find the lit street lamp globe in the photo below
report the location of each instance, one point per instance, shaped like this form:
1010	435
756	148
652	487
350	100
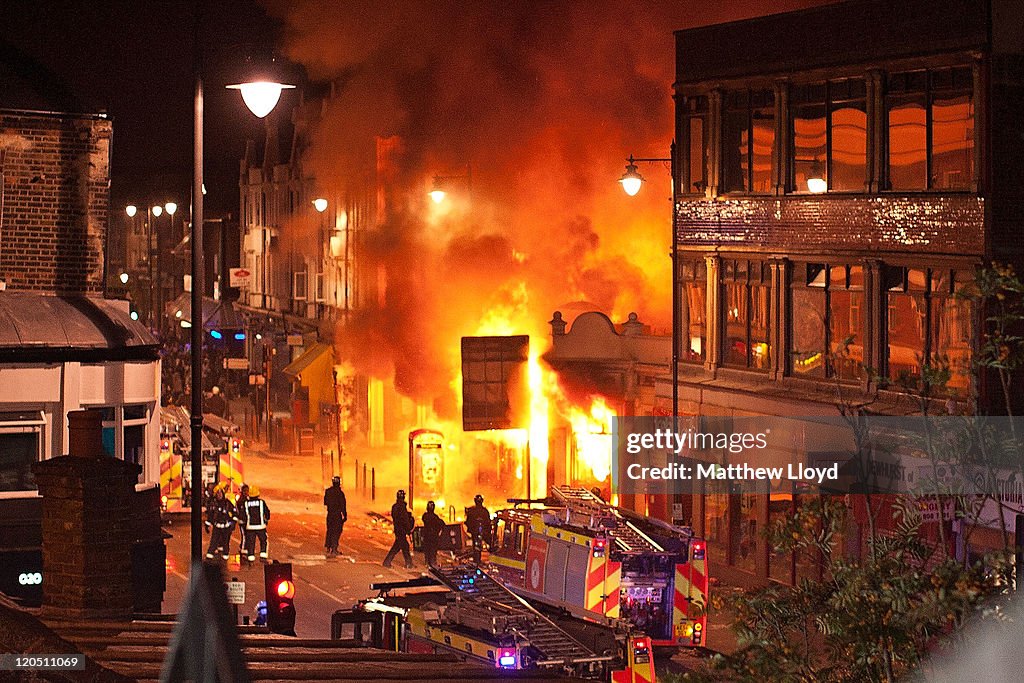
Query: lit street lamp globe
170	208
260	96
320	204
437	195
131	210
158	210
631	180
123	277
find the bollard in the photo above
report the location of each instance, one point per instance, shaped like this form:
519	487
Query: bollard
364	478
373	483
356	479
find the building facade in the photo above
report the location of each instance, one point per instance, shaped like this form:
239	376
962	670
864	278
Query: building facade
842	172
64	347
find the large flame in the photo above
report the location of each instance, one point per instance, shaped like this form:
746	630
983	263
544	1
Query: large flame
592	432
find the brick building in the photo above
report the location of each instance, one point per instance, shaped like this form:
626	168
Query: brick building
62	345
842	171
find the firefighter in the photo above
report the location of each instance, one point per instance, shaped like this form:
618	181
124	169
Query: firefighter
243	495
257	514
478	524
337	515
221	517
403	523
432	528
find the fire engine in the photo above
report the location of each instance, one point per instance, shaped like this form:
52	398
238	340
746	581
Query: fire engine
602	563
222	456
468	613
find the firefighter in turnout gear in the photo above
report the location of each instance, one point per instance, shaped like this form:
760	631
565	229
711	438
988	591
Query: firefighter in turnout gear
337	515
220	517
478	524
432	528
403	523
243	496
256	516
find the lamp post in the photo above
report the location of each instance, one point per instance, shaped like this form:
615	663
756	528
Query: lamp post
261	97
631	182
437	190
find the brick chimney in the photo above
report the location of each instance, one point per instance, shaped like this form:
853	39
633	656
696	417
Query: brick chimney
87	526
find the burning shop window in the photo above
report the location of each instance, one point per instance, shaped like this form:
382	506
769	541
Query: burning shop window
746	295
693	300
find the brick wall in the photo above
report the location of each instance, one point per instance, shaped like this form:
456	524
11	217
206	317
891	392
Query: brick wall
951	224
56	192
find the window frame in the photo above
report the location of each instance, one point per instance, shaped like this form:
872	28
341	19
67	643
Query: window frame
695	107
831	372
747	282
929	91
754	99
828	103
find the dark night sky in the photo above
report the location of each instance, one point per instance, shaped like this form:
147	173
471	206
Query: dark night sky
133	59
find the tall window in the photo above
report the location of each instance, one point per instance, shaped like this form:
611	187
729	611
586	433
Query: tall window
693	281
695	176
929	320
748	141
827	321
746	295
931	129
828	127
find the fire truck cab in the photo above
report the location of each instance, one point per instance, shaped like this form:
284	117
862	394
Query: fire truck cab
603	563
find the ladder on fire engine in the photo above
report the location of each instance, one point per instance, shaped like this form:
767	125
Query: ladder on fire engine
585	509
554	645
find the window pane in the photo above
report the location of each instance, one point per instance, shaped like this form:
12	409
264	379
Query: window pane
908	139
698	152
809	144
695	335
907	315
952	141
847	325
808	332
763	127
135	445
735	297
951	323
17	453
849	146
760	355
735	138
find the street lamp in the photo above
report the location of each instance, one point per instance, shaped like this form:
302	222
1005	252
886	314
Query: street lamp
158	210
320	204
170	208
261	96
131	210
631	182
437	190
123	277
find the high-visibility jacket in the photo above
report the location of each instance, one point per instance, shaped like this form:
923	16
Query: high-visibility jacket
257	514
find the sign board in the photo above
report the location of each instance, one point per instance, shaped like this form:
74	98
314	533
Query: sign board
257	379
240	277
495	391
236	592
236	363
294	340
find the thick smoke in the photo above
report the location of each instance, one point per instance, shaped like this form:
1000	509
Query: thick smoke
543	102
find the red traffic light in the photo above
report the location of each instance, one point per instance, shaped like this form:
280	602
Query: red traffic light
286	589
280	591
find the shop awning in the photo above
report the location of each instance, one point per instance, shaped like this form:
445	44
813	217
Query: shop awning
310	356
217	315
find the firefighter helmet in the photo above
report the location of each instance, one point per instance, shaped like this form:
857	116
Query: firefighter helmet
478	499
401	494
254	491
430	506
336	480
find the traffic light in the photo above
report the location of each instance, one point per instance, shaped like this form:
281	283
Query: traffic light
280	588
